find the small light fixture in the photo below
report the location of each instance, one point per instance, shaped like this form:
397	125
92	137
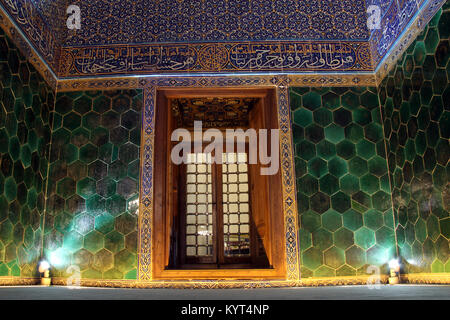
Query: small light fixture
44	270
394	270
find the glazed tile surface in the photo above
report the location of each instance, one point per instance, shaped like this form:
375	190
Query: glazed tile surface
343	192
93	195
25	132
415	103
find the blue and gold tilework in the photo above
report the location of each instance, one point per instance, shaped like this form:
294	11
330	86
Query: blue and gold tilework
228	36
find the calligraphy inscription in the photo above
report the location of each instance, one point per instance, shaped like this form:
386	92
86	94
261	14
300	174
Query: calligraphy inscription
391	26
228	57
295	56
33	26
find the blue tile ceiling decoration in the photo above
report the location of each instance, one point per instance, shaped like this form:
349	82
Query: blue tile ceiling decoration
143	21
210	36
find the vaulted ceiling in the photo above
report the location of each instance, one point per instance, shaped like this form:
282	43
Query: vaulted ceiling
209	36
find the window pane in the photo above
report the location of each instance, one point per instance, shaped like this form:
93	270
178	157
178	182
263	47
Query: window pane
236	206
199	207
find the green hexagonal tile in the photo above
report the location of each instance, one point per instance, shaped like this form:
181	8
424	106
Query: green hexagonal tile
126	223
113	274
63	222
83	223
350	100
355	257
370	183
125	261
104	223
80	137
306	150
323	117
445	227
88	153
343	238
365	238
317	167
102	104
369	100
331	220
379	256
83	105
365	149
93	241
420	230
310	221
311	100
103	260
358	166
419	53
320	202
73	241
114	241
6	231
63	105
331	100
72	121
106	187
10	189
381	200
91	120
326	150
373	219
385	237
303	117
69	153
334	257
115	205
66	187
312	258
329	184
86	188
349	184
83	259
322	239
334	133
308	185
346	149
337	167
340	202
431	40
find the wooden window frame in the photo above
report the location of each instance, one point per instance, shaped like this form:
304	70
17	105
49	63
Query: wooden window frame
166	194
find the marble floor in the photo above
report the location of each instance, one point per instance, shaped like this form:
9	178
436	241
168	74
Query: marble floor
403	292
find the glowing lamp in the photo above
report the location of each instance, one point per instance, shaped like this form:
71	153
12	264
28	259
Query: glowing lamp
394	270
44	269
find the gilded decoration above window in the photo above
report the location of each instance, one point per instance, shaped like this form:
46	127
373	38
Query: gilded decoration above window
213	112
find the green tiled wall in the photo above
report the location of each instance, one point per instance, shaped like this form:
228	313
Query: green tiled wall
26	101
343	191
92	208
360	173
416	114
